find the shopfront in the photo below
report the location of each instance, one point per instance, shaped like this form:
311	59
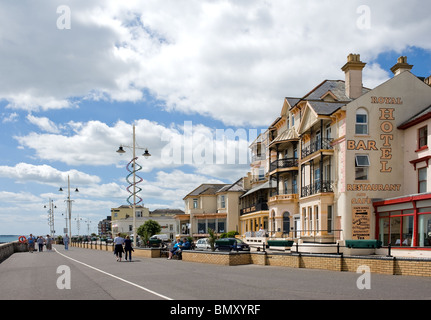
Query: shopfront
404	222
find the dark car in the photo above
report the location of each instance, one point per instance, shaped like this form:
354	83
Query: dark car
229	244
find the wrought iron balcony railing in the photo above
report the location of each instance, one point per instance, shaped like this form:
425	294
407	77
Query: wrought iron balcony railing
317	145
317	187
283	163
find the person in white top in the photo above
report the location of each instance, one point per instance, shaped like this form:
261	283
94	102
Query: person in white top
118	249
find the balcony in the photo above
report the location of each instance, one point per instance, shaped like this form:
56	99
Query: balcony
317	145
283	164
323	186
261	206
291	197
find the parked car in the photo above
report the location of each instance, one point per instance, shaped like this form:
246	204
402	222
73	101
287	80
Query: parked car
230	244
163	237
203	244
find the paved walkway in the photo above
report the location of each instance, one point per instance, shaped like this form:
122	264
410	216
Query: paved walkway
97	275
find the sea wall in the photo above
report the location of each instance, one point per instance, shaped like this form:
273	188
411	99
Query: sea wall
8	249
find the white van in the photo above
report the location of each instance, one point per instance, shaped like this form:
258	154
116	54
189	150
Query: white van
163	237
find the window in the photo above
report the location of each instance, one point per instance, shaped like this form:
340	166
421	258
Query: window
211	223
222	202
286	186
195	203
286	222
261	173
295	184
362	162
202	226
221	223
424	231
310	220
422	177
361	122
423	137
328	131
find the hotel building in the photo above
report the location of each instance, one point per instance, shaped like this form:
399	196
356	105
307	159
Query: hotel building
342	149
345	162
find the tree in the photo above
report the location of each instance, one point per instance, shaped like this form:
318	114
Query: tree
148	229
212	238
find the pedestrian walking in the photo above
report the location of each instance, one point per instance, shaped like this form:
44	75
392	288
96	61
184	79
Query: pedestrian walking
40	242
31	241
66	242
128	248
118	249
48	241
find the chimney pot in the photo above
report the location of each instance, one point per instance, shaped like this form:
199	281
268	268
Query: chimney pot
401	66
353	70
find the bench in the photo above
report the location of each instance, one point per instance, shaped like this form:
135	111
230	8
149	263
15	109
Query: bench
363	244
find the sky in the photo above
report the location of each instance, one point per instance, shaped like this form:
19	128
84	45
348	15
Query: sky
199	80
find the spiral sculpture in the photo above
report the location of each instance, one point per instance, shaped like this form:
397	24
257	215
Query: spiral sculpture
138	179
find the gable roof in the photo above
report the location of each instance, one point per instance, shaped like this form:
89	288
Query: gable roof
336	89
237	186
418	118
206	189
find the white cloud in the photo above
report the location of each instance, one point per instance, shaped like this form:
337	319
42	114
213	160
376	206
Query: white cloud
232	60
44	174
43	123
94	143
10	117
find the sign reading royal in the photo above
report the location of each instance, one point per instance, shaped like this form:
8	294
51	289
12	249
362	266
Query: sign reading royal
386	100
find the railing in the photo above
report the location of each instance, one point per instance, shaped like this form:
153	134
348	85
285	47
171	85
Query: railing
317	187
289	196
284	163
256	207
316	145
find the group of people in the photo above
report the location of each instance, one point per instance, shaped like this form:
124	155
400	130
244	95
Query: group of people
178	247
119	241
40	241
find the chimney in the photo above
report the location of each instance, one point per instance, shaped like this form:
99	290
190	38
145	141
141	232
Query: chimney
401	66
353	70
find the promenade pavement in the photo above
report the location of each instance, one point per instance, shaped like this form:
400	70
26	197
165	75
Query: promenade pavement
96	275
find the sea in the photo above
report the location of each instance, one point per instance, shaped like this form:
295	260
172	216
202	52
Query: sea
8	238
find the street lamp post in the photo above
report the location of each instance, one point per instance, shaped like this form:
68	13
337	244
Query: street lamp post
51	216
88	222
146	155
69	204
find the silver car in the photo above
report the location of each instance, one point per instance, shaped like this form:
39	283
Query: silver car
203	244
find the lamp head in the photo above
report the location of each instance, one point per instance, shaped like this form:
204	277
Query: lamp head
121	150
146	154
